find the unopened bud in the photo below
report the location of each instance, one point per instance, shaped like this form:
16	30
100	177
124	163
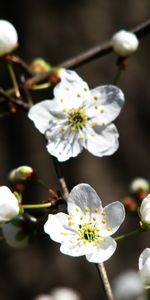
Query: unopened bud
139	185
8	37
20	174
145	213
144	267
124	43
39	65
17	233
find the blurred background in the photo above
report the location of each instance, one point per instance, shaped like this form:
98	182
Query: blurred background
57	30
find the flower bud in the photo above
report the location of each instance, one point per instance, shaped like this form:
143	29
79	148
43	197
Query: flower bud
20	174
8	37
130	204
144	267
145	213
9	206
19	232
39	65
128	286
139	185
124	43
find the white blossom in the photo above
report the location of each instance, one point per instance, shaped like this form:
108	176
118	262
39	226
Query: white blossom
10	232
88	228
9	206
79	118
144	267
124	43
145	212
139	184
60	293
8	37
128	286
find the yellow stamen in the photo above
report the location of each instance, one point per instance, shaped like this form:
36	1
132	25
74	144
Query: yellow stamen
72	128
96	210
81	218
72	223
65	109
67	88
96	106
87	209
95	98
65	234
94	218
103	213
93	124
102	110
109	229
104	240
104	221
69	218
78	95
77	209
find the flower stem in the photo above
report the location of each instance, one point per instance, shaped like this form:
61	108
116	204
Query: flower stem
118	74
13	77
125	235
105	281
35	206
60	177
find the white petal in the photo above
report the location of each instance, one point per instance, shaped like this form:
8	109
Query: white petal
145	273
143	257
115	214
10	232
145	215
58	228
9	206
75	248
40	114
81	197
145	203
64	145
103	141
71	93
70	76
103	251
108	105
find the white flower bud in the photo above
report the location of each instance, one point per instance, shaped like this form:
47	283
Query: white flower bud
10	232
9	206
139	185
20	174
60	293
128	286
124	43
8	37
145	212
144	267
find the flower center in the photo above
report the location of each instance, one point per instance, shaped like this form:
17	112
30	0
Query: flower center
77	119
88	232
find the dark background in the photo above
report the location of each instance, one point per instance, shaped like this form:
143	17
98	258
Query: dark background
57	30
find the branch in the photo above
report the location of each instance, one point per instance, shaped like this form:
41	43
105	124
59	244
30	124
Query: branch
91	54
96	52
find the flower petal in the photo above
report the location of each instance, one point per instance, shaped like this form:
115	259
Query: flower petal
103	251
9	206
82	201
114	216
102	140
108	103
64	145
58	227
145	203
71	92
75	248
143	257
40	114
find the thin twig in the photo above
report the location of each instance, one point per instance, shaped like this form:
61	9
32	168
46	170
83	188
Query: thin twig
20	103
96	52
104	278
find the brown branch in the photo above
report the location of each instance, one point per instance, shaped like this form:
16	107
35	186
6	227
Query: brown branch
96	52
91	54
